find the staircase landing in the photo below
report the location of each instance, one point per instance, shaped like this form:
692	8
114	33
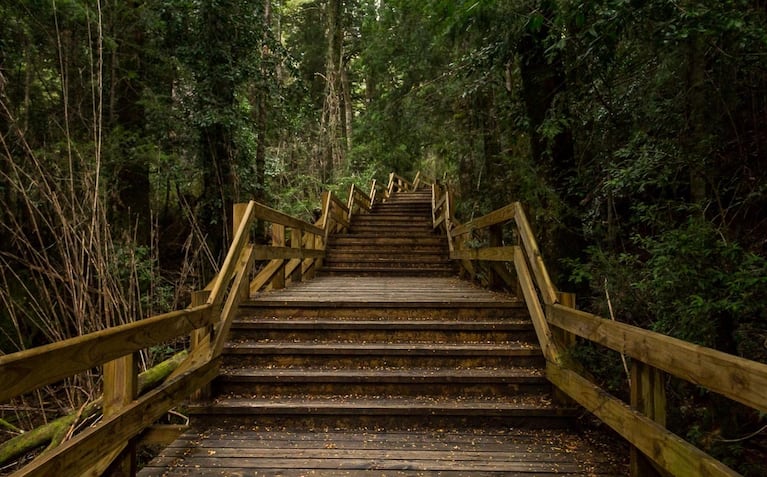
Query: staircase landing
289	452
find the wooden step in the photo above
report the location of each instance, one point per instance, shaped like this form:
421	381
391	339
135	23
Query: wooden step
401	253
387	272
359	355
297	310
368	333
383	381
346	410
438	263
342	240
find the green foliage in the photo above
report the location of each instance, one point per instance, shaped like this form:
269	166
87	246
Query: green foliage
703	289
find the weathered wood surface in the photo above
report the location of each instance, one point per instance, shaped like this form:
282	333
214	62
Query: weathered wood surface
27	370
495	254
546	286
88	448
288	452
739	379
384	289
667	450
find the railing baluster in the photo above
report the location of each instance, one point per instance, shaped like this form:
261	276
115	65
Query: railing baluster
296	241
278	240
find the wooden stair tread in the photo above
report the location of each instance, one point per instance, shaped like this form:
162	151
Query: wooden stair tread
382	324
523	406
385	349
515	375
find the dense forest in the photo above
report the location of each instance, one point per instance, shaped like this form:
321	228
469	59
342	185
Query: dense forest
633	130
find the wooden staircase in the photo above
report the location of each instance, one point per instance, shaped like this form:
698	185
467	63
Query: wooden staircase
382	365
376	341
394	239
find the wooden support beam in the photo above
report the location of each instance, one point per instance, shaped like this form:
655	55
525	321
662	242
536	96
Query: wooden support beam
265	275
546	286
278	240
492	254
648	396
551	350
296	242
200	338
266	252
161	434
504	214
238	243
120	390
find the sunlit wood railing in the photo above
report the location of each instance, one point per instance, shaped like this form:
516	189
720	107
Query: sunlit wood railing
295	253
655	450
397	183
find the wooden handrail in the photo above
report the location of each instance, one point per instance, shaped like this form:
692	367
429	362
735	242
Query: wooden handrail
736	378
30	369
358	200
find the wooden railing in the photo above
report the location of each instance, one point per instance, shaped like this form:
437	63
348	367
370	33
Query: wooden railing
296	251
397	183
655	450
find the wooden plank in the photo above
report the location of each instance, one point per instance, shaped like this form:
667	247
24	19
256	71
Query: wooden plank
275	217
232	303
540	272
550	348
496	254
78	454
340	216
340	205
278	241
737	378
499	216
666	449
120	389
27	370
648	396
230	262
265	275
297	244
267	252
162	434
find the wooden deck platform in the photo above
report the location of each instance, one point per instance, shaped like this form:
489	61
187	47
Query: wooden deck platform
246	451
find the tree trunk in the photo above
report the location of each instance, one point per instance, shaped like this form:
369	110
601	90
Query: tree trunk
332	120
133	185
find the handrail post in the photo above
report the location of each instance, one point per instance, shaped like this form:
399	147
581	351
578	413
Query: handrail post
648	396
120	389
199	338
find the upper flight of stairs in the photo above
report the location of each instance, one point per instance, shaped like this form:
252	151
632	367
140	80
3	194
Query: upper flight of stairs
382	365
384	337
395	238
